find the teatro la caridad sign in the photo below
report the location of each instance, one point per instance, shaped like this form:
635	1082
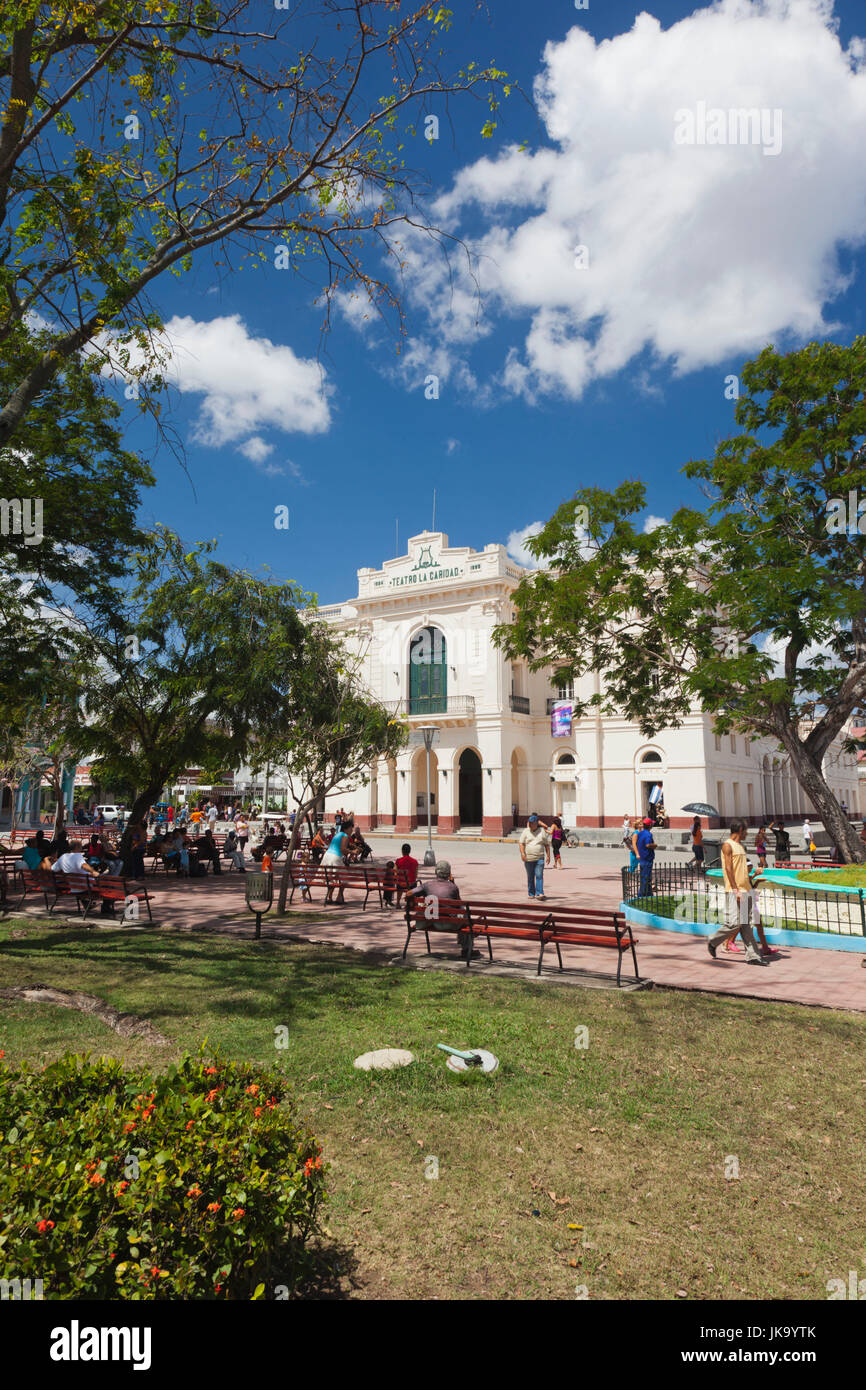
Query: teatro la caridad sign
425	571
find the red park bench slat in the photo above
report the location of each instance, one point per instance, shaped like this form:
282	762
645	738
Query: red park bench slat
547	925
86	889
372	878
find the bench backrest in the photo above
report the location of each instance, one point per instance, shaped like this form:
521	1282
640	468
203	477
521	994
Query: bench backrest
481	913
73	883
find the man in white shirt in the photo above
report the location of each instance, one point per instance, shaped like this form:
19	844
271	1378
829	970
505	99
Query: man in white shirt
212	815
534	845
807	834
73	862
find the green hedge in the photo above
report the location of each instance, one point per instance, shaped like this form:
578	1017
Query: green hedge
195	1183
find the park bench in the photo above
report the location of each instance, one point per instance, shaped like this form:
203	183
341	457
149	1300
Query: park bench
816	862
304	876
112	889
353	876
78	886
35	881
546	925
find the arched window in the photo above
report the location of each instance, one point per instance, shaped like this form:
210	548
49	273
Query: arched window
565	758
651	756
428	672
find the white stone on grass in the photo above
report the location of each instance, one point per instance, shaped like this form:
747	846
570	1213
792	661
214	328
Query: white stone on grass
385	1059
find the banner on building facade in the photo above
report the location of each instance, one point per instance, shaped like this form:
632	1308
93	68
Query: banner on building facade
560	719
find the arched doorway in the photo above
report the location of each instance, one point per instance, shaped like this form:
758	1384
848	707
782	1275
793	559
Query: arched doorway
565	788
428	672
651	776
470	799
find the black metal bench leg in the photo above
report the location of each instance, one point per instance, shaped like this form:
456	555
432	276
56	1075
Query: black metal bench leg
558	953
408	939
540	957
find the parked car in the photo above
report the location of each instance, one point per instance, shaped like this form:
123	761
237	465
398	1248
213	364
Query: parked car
111	813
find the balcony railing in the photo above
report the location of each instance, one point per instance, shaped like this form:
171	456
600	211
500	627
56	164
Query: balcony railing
519	704
431	705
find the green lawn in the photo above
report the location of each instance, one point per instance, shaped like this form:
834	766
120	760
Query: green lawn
852	877
627	1139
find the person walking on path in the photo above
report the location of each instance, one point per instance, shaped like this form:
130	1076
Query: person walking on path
645	847
761	846
632	845
807	835
534	845
739	897
697	845
557	835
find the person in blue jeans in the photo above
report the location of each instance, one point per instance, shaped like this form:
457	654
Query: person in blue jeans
534	846
646	853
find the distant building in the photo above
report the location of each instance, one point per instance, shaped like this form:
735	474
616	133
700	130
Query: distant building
424	625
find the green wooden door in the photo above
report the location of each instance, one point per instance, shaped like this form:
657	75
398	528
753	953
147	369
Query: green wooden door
428	673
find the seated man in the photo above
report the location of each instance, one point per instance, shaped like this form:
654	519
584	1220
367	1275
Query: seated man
444	888
209	850
74	862
407	872
233	851
359	850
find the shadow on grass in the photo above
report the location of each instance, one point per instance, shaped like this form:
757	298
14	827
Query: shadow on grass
328	1273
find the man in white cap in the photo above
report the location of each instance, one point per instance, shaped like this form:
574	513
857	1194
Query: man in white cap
534	845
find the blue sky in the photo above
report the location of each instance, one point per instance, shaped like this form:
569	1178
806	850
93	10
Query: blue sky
698	256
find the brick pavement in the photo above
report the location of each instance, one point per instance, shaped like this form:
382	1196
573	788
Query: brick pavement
834	979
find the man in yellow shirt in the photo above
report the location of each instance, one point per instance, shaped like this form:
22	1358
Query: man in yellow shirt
739	897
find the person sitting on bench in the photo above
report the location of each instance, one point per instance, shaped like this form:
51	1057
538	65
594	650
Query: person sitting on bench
444	888
209	849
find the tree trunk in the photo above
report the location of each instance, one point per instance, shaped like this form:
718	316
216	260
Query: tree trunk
140	807
836	823
303	813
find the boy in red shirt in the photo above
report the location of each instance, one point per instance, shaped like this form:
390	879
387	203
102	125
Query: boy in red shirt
407	872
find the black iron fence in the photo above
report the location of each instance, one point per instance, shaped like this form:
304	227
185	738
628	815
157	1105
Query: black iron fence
687	895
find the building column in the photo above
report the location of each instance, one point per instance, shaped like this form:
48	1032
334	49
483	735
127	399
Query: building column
406	814
363	798
447	804
495	799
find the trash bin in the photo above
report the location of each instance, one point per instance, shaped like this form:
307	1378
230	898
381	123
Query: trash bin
712	853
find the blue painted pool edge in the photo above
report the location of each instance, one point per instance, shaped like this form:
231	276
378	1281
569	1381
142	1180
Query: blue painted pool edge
816	940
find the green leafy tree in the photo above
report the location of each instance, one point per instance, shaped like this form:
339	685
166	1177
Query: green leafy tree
193	658
752	610
69	498
41	738
333	736
136	134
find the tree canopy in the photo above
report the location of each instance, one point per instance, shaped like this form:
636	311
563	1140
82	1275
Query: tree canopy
754	609
194	656
136	134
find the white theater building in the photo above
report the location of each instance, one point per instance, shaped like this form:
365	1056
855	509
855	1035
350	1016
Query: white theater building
423	626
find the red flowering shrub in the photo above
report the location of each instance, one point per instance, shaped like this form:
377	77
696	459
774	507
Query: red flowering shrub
124	1184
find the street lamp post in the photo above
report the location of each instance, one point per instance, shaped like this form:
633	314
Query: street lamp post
428	732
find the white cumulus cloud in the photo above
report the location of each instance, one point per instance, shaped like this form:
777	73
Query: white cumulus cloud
516	545
696	252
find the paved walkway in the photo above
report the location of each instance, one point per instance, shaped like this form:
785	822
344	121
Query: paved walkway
834	979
